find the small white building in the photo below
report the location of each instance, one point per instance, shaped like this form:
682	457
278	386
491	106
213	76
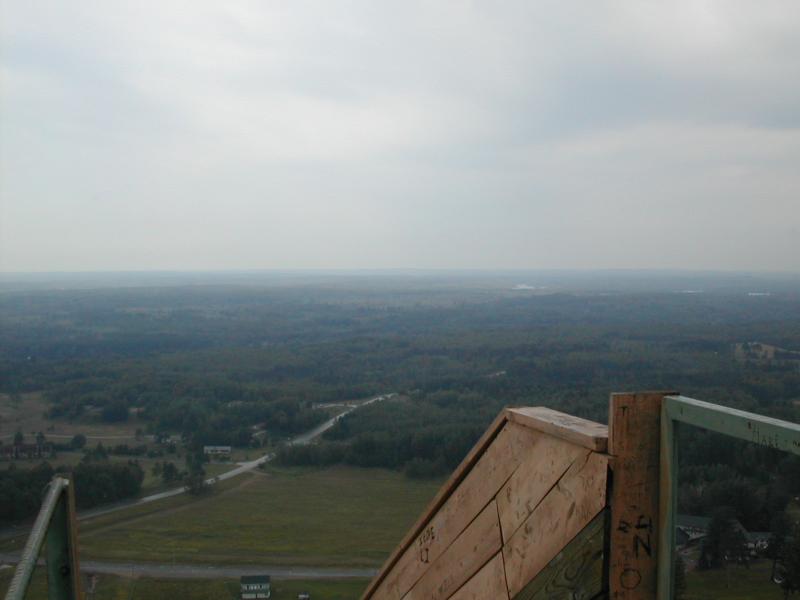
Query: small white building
217	450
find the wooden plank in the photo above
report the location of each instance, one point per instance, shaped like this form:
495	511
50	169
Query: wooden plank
572	503
478	488
463	469
487	584
441	497
634	421
547	462
465	556
588	434
576	573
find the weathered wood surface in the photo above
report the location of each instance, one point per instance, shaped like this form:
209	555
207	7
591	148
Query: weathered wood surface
487	584
465	556
572	503
588	434
378	588
478	488
634	429
533	465
576	573
549	459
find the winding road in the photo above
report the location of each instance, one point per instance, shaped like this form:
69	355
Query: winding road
183	571
303	438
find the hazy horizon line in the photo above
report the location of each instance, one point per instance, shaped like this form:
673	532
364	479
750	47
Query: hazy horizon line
396	270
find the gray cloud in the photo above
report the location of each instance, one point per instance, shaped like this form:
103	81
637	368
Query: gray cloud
243	134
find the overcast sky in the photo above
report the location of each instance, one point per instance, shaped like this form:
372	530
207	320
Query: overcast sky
256	134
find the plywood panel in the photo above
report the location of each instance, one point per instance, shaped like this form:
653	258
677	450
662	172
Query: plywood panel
547	462
572	503
487	584
590	435
462	559
458	476
576	573
480	485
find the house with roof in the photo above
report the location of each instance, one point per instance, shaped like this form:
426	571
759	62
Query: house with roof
689	529
758	541
223	451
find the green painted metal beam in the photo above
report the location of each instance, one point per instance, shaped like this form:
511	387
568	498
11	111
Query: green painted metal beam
668	499
57	552
54	529
760	430
764	431
27	562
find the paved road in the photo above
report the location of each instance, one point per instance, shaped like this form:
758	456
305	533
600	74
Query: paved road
303	438
179	571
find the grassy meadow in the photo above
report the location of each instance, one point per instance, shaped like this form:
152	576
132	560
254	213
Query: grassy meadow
26	413
133	514
741	583
342	516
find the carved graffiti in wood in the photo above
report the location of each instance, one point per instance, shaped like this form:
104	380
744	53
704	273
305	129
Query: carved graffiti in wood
634	445
576	573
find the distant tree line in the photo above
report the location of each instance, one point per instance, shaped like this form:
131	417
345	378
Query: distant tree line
425	435
210	364
97	481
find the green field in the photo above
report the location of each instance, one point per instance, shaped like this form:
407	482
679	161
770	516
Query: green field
26	413
740	583
110	587
341	516
133	514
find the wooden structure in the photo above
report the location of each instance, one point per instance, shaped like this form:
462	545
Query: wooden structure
545	506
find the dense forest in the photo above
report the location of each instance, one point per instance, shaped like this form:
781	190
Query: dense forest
96	482
212	360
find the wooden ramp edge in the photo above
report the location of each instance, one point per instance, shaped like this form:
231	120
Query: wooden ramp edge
525	506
